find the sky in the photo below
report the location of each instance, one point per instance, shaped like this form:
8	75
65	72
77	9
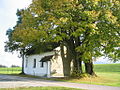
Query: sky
8	20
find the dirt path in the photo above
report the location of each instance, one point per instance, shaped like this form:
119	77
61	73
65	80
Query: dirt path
8	81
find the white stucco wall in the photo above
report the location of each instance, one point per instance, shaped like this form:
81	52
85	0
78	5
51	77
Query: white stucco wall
56	66
38	71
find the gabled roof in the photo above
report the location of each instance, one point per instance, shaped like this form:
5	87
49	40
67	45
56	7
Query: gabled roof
46	58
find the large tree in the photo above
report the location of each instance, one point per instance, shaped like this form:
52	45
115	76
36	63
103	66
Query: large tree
88	28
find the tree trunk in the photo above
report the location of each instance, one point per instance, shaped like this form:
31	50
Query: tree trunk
77	67
66	61
80	66
66	68
89	68
22	53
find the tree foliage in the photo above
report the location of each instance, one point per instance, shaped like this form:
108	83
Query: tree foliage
94	22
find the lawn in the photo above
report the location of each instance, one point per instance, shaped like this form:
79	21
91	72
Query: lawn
107	74
42	88
14	70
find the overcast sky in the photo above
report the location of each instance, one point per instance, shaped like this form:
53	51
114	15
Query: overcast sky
8	20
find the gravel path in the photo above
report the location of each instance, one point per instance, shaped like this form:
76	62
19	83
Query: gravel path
9	81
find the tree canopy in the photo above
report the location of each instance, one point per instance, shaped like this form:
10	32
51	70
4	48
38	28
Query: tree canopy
96	23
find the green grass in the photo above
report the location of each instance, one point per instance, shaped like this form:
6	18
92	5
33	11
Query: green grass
42	88
14	70
107	68
107	74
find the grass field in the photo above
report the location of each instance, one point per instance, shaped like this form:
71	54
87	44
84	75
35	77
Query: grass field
107	74
14	70
42	88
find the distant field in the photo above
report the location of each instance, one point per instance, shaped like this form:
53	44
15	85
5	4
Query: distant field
107	68
14	70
